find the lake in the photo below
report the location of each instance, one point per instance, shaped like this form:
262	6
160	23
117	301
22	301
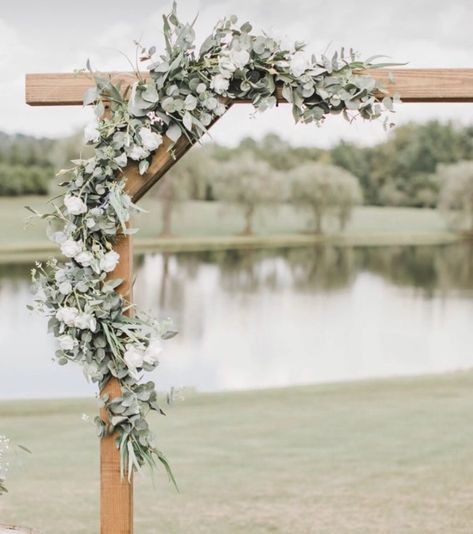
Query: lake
258	319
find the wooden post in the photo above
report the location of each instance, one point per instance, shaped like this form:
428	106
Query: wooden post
116	495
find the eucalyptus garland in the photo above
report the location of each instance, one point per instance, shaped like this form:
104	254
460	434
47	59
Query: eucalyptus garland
186	90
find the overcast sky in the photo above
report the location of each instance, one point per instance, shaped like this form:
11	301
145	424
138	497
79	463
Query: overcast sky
59	36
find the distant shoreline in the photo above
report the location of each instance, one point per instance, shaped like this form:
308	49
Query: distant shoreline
25	253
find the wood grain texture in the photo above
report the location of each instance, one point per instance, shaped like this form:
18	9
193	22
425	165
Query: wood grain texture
414	85
116	495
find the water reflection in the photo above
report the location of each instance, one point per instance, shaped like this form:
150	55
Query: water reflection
266	318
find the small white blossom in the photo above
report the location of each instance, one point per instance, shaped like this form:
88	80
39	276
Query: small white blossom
109	261
219	84
67	315
90	223
134	357
151	140
85	321
67	342
138	153
84	258
85	418
74	205
153	352
91	133
299	64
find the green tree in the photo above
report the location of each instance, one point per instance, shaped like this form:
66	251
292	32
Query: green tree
246	181
322	189
456	193
187	179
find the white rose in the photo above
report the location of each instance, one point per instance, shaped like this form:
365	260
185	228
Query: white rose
67	315
85	321
71	248
133	357
150	139
74	205
84	258
109	261
239	58
91	133
65	288
153	352
299	64
219	84
138	153
227	67
67	342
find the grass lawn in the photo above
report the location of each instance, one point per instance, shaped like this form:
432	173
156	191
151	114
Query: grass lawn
207	224
386	456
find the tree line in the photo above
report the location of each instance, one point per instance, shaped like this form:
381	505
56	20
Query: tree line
419	165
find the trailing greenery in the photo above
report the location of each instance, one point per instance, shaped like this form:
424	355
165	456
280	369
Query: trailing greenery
186	91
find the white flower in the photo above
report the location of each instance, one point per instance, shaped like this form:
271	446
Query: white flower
226	65
121	160
150	139
109	261
239	58
74	205
67	315
84	258
65	288
219	84
299	64
91	133
138	153
67	342
90	223
85	321
134	357
153	352
85	418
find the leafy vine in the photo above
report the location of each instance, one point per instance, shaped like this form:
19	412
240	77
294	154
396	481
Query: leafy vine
185	91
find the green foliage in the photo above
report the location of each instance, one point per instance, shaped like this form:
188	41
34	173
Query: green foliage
24	180
399	171
246	181
323	188
456	194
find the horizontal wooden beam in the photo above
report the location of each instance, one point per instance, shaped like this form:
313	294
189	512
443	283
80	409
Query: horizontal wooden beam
413	85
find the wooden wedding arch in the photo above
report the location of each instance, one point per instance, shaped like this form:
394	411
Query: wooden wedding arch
413	85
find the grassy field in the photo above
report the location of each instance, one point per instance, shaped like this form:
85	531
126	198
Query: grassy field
387	456
210	223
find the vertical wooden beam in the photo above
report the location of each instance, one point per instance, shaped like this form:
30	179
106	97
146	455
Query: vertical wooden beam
116	495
